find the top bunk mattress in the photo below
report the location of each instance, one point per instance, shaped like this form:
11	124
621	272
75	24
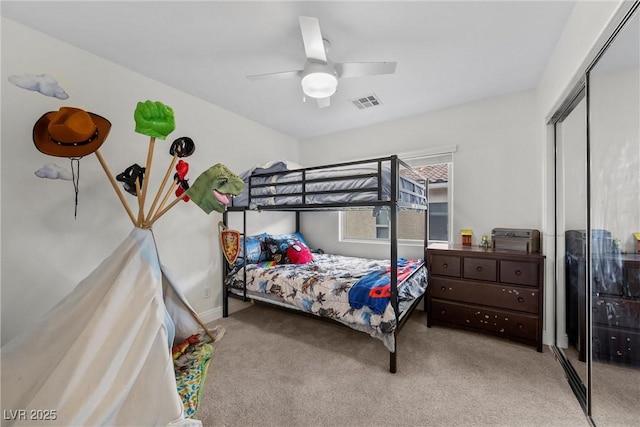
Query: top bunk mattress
360	182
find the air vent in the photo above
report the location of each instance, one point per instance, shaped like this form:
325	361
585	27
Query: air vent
367	101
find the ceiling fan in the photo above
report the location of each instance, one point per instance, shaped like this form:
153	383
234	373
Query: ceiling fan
319	78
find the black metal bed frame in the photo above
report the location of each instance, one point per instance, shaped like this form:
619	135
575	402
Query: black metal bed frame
393	204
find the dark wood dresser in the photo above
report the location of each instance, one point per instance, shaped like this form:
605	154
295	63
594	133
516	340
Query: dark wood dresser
493	291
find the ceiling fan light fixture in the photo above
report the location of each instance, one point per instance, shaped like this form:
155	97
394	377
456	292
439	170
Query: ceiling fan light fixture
319	84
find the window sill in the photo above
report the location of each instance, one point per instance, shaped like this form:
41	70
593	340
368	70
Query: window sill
404	242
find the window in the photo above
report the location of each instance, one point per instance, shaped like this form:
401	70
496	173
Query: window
365	225
382	225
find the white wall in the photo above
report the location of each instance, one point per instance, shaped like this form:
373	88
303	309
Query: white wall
45	251
496	173
615	152
572	152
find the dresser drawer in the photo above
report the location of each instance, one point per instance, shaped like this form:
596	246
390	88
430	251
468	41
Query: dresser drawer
480	269
616	345
499	322
445	265
612	311
499	296
632	282
519	272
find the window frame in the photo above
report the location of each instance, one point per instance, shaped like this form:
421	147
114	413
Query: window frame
413	159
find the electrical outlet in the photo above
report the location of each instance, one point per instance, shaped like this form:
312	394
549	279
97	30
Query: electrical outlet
207	292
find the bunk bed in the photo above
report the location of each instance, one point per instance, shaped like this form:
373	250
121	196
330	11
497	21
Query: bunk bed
373	296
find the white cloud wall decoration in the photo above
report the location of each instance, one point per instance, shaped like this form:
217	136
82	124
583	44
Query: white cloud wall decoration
42	83
53	171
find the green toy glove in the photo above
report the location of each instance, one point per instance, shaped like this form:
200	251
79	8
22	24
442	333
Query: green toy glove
154	119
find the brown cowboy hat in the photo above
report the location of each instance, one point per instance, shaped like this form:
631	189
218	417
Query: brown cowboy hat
70	132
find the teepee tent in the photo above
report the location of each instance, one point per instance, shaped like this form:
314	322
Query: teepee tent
103	355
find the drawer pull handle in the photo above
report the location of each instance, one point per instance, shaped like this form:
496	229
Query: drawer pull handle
445	265
520	326
518	273
520	299
443	311
444	288
479	268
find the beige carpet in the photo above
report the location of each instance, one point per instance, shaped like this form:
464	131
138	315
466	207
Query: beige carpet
275	368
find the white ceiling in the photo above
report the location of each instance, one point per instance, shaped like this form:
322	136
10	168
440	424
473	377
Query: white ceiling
448	52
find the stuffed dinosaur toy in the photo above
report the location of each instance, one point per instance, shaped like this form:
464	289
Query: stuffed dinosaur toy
180	349
213	189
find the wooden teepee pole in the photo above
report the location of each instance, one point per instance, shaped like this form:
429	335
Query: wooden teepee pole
145	184
139	198
115	187
164	211
197	318
166	196
164	182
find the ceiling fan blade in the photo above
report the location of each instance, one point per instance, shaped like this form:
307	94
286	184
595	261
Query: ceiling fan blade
312	38
275	76
324	102
359	69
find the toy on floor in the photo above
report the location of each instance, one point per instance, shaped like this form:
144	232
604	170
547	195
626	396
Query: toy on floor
180	349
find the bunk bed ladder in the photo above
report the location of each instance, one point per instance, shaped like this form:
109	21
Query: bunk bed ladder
226	267
244	254
225	293
393	219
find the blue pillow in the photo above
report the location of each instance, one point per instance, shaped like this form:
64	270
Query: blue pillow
256	251
286	240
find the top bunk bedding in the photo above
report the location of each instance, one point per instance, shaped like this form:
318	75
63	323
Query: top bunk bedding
361	183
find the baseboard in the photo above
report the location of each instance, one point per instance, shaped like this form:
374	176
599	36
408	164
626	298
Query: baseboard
210	315
562	340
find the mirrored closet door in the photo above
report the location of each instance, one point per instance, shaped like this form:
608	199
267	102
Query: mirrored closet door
597	250
571	225
613	93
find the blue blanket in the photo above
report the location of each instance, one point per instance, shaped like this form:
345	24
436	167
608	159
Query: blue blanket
374	289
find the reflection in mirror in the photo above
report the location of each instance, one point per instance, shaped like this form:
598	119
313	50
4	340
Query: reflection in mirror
614	144
571	223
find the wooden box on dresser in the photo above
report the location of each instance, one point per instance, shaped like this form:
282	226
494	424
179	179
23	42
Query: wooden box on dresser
499	292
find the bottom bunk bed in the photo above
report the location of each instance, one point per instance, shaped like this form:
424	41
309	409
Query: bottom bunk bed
352	291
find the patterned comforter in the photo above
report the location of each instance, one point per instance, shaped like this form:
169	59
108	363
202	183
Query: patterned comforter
322	287
191	375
